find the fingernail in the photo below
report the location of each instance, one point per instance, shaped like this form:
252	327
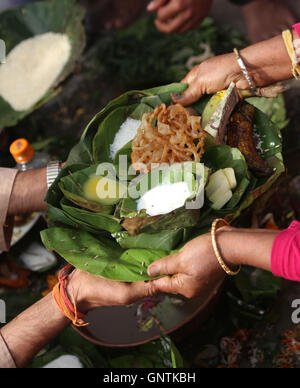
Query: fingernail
151	6
153	271
178	96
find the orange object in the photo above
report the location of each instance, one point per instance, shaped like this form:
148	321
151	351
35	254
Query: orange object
52	281
67	308
22	151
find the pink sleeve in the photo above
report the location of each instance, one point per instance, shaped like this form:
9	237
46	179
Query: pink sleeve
285	257
296	27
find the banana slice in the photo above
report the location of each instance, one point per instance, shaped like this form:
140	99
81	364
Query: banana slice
222	200
230	175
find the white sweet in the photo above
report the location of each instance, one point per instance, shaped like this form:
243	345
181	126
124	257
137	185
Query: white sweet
126	133
164	198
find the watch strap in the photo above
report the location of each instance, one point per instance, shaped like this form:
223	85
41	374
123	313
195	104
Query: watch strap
53	170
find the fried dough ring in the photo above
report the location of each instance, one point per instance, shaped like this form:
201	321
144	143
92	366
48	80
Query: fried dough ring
167	135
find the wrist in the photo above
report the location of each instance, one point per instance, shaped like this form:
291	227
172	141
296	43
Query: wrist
224	239
77	290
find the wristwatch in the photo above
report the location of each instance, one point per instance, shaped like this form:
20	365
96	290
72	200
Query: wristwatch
53	170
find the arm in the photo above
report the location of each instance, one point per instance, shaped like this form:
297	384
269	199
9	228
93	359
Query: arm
36	326
267	62
179	15
196	262
20	193
28	192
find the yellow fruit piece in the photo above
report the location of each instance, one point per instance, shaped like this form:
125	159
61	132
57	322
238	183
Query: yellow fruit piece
104	190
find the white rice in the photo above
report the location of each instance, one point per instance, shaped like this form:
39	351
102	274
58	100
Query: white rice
32	68
126	133
164	198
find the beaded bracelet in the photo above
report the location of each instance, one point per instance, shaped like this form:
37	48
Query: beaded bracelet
216	250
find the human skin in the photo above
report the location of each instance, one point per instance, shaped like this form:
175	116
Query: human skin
196	263
266	18
113	13
30	331
35	327
268	62
179	15
29	191
195	267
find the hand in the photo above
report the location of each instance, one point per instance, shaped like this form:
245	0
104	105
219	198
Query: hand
90	291
267	62
211	76
120	13
179	15
194	268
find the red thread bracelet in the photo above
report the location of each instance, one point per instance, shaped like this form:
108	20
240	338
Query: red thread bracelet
62	300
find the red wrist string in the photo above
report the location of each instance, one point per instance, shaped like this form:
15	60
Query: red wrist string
62	300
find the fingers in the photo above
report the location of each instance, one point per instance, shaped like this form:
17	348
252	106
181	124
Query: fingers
190	25
173	25
167	284
133	292
191	95
169	265
171	10
154	5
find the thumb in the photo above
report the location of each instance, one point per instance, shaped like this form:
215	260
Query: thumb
191	95
167	284
169	265
154	5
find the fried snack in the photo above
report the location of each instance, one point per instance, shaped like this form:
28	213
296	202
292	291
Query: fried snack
240	135
167	135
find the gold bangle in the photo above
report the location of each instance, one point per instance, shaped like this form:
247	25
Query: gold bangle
216	250
288	41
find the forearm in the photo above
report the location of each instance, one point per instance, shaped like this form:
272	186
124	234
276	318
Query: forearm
28	193
251	247
28	333
268	61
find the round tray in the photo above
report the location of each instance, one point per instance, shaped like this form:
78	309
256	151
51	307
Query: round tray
145	320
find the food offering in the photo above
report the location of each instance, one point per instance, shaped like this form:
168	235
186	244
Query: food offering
149	175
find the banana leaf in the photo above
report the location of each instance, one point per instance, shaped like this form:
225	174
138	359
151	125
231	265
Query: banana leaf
274	108
18	24
83	151
192	173
100	256
97	221
165	240
97	239
72	186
